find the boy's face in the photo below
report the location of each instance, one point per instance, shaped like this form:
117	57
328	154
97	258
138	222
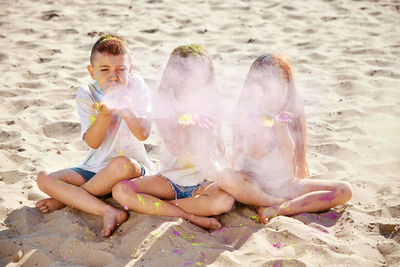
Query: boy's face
109	70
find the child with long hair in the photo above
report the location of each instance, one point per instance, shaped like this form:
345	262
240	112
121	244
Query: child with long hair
186	113
269	153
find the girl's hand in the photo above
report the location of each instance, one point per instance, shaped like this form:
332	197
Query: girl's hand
186	119
205	121
200	120
284	117
267	121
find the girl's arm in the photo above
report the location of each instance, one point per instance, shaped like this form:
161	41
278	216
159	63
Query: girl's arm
173	135
284	138
259	134
237	146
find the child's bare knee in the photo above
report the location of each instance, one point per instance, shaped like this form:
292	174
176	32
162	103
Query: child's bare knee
222	178
117	191
120	165
120	190
223	203
42	180
345	191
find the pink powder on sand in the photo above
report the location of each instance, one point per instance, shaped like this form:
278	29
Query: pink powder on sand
177	233
276	245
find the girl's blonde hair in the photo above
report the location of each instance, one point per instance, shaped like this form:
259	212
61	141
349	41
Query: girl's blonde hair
297	127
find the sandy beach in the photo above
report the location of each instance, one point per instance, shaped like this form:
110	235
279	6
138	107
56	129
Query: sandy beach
346	63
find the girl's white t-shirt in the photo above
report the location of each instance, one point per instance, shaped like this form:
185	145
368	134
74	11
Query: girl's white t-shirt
201	155
270	171
119	140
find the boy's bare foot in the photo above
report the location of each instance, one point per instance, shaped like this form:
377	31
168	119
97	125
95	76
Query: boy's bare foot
205	222
48	205
266	213
112	218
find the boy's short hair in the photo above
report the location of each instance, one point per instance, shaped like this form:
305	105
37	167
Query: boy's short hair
110	44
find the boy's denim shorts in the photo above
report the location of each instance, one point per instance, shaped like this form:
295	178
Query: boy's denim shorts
87	175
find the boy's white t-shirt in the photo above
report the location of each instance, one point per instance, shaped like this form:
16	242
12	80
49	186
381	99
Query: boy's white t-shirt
119	140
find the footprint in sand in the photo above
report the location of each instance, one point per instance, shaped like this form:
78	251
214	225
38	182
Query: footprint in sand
20	105
3	57
7	249
7	94
49	15
61	129
11	177
383	73
31	85
46	55
389	230
27	45
8	136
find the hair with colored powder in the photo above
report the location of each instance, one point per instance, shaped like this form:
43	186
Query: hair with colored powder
186	58
293	105
110	44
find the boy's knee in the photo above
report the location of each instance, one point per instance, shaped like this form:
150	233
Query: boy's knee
121	165
42	180
223	203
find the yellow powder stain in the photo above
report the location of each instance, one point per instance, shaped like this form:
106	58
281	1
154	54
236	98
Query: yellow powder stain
186	119
92	119
157	205
255	218
267	121
141	200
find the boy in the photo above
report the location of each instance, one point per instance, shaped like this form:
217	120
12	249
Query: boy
112	132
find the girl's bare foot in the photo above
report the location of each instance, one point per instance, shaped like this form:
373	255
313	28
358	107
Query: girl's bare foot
48	205
266	213
205	222
112	218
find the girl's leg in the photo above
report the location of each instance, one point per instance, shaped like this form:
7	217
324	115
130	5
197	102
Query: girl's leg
243	190
144	195
313	196
56	185
207	200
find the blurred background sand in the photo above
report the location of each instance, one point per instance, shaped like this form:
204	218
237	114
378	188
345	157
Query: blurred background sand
346	64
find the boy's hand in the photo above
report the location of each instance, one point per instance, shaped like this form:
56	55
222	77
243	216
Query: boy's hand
125	107
102	109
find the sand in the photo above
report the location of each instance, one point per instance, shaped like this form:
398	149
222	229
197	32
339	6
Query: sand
346	63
